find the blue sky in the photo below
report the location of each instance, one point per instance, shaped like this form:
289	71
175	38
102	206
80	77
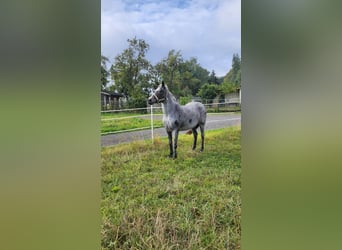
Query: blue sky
207	30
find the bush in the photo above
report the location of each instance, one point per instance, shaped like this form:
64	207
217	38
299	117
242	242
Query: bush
208	91
137	103
184	100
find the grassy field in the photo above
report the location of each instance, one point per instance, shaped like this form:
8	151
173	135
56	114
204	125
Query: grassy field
150	201
112	126
130	123
122	114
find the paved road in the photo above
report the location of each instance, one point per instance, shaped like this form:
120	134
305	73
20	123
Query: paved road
214	121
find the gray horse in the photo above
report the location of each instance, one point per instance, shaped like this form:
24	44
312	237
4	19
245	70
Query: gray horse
177	118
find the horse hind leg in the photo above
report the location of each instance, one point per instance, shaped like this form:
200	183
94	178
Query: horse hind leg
175	144
202	136
194	131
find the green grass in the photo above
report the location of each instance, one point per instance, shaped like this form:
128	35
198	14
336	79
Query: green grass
112	126
123	114
150	201
129	123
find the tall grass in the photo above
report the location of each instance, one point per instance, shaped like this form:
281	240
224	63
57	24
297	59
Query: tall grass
150	201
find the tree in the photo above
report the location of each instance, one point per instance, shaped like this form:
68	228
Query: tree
208	91
154	77
104	72
232	80
130	70
184	77
212	78
234	74
193	76
169	69
227	87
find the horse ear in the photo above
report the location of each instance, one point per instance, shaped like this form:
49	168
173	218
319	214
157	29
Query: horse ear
163	84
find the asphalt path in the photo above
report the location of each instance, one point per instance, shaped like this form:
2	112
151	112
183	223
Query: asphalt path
214	121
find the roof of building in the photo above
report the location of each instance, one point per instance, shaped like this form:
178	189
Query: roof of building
111	93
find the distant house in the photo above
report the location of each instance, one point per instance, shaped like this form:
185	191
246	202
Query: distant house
234	99
111	100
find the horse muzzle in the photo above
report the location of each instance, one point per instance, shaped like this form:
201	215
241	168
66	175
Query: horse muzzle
151	101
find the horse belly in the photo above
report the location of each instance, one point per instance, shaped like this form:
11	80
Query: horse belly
172	124
189	124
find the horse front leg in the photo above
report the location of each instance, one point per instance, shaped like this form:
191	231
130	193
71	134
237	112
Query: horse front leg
169	134
175	144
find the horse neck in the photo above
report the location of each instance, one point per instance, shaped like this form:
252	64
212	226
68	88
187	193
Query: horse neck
170	105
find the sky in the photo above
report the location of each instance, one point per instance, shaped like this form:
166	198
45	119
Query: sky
207	30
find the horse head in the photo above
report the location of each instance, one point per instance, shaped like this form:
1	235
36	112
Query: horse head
159	95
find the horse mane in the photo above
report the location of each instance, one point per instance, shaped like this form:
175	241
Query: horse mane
170	94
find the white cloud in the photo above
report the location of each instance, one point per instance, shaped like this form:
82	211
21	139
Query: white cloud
207	30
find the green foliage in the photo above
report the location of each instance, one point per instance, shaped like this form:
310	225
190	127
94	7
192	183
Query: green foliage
212	78
183	77
104	72
233	77
152	202
228	87
134	76
193	76
137	102
130	70
184	100
208	91
169	69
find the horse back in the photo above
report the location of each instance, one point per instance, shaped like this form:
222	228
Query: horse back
196	109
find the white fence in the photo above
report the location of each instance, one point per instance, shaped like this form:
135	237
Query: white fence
151	108
151	114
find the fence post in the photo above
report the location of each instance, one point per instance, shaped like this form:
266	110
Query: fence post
152	123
